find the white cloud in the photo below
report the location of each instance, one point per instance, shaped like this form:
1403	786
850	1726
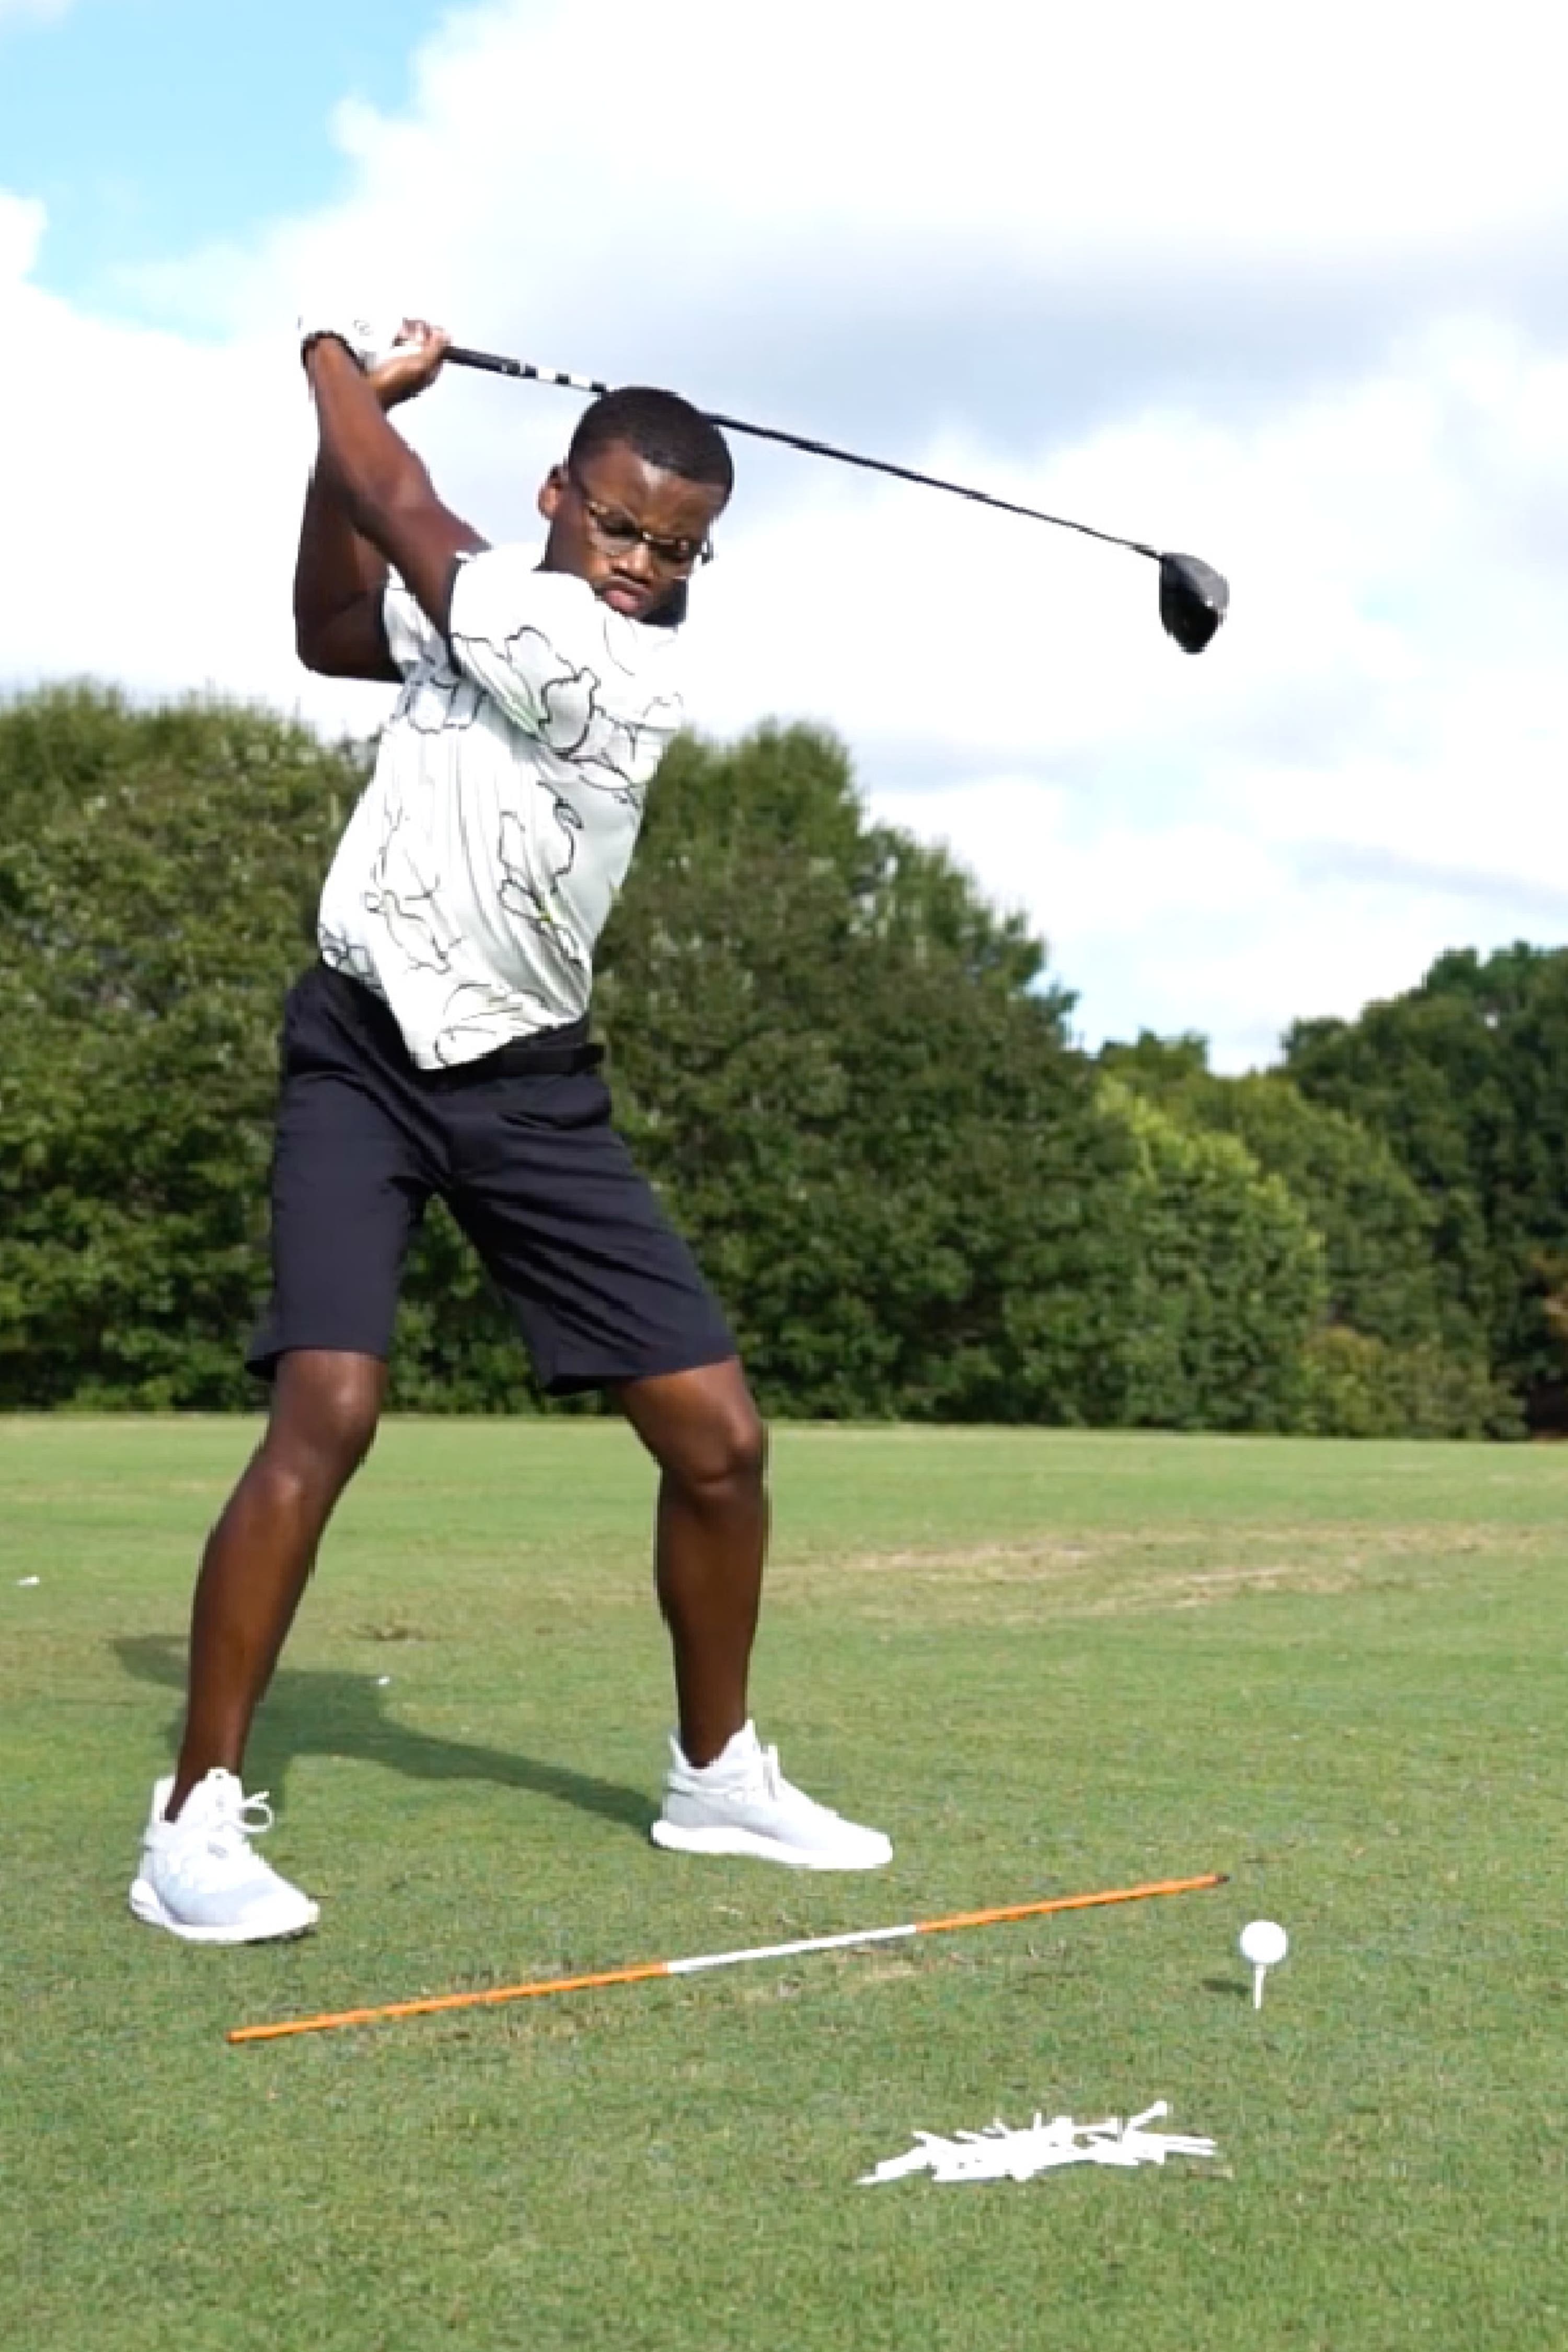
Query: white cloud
1217	284
31	12
21	231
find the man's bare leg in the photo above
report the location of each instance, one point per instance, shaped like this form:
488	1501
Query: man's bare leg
710	1536
725	1793
258	1557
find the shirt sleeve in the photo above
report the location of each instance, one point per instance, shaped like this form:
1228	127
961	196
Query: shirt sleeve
412	637
528	637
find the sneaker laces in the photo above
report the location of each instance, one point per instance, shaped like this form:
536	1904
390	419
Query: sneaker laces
761	1775
232	1826
762	1778
769	1777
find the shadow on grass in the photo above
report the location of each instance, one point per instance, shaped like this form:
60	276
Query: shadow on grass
1228	1985
311	1712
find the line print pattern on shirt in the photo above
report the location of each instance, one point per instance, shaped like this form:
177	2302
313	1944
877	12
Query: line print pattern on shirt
346	955
563	704
531	900
470	1015
586	747
406	913
436	699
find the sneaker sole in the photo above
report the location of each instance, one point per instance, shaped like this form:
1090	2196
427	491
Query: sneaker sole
146	1906
758	1848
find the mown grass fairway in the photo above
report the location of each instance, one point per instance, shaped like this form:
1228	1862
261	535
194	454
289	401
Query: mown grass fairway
1045	1662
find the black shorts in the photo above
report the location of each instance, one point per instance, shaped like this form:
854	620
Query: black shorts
519	1147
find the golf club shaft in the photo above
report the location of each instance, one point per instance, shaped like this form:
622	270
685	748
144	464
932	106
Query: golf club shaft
642	1971
460	356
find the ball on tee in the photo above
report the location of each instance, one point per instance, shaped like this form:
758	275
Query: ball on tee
1264	1943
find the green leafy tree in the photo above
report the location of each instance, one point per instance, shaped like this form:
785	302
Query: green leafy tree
1222	1279
1353	1386
1377	1224
159	876
1467	1078
158	871
1400	1352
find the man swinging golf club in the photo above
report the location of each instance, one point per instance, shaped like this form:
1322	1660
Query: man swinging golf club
440	1046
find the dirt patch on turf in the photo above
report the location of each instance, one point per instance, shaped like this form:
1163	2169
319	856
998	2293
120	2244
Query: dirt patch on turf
975	1563
1136	1570
1202	1588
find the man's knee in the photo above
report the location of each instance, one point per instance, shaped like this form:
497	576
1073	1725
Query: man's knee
718	1446
732	1449
325	1410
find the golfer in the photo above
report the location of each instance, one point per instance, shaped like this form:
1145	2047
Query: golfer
440	1047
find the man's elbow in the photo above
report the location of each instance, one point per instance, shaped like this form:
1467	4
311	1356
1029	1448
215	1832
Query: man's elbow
323	651
312	648
350	644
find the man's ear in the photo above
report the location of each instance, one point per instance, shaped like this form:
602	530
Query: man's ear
551	490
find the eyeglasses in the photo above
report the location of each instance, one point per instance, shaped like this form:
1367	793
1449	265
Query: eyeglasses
618	534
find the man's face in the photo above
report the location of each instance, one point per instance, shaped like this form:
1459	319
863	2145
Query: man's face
598	508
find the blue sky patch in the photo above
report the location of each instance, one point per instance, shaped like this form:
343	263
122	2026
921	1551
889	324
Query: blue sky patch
151	127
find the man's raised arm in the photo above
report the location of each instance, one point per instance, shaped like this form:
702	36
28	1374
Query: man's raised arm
339	581
382	495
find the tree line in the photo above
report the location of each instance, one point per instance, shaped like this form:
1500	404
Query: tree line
853	1081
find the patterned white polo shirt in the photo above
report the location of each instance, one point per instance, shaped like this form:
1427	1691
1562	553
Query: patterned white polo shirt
483	857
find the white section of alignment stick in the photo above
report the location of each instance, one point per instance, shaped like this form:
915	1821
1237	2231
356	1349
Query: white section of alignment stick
789	1951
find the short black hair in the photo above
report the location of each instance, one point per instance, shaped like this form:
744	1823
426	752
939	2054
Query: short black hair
665	431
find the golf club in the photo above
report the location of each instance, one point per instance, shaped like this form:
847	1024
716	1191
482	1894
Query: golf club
1192	594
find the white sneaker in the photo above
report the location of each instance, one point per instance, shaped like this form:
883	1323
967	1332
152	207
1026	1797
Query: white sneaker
742	1803
199	1877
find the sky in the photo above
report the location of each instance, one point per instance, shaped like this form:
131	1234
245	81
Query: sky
1281	287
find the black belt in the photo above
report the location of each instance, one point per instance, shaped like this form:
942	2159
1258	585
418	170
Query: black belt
550	1054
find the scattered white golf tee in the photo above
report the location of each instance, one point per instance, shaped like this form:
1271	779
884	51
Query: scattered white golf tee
1264	1944
1000	2154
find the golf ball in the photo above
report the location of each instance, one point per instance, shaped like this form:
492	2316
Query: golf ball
1264	1943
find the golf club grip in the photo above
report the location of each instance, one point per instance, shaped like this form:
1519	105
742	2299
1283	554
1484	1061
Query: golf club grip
462	355
493	363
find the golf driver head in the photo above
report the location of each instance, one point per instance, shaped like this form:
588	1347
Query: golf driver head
1192	599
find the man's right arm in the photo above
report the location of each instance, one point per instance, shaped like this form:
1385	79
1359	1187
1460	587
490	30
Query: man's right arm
369	505
339	581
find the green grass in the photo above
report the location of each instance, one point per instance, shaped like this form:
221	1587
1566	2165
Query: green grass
1045	1662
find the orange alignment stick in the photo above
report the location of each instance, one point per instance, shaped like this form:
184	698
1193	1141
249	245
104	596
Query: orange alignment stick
644	1969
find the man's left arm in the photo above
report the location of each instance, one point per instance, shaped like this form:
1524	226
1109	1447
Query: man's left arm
384	488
